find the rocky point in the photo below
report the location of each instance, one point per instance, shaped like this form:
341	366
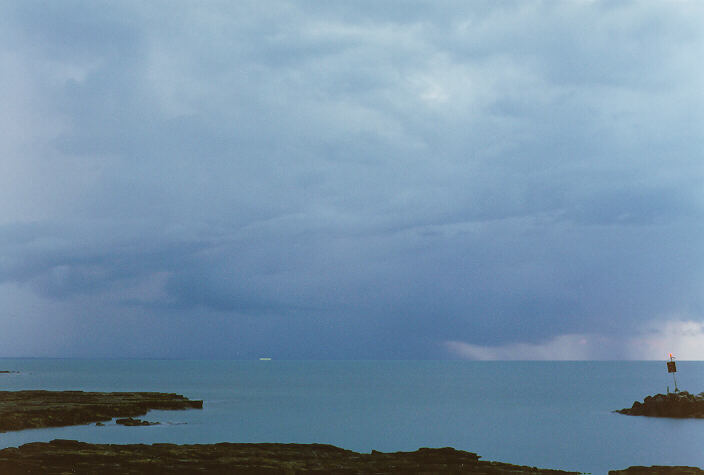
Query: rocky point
681	404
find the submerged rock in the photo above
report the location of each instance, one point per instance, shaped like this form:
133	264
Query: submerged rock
32	409
681	404
130	421
68	456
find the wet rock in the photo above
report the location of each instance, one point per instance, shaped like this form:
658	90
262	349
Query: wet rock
658	470
61	456
131	422
32	409
680	404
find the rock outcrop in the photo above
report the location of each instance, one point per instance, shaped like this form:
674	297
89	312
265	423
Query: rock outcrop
33	409
67	456
658	470
680	404
132	422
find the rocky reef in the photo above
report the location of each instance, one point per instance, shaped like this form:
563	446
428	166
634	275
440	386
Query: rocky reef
680	404
132	422
33	409
68	456
658	470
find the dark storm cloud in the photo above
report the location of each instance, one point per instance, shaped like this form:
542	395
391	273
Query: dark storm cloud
329	180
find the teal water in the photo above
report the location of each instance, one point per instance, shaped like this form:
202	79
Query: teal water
548	414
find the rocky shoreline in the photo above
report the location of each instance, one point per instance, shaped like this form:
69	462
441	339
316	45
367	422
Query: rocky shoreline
69	456
34	409
679	405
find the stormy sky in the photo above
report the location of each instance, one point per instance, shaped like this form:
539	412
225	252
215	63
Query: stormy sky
376	180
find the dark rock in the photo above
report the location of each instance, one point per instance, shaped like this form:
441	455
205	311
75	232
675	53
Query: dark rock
637	409
129	421
658	470
32	409
680	405
60	457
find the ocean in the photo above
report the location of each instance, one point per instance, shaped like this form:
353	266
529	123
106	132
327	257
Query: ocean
546	414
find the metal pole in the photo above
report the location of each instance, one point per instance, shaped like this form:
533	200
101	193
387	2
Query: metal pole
673	374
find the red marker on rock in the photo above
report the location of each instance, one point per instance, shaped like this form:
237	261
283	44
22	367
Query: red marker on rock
672	368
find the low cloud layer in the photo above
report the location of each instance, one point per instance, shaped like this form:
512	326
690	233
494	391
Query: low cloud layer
562	347
318	181
683	338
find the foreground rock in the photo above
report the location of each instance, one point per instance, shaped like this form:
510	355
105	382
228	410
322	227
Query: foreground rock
658	470
33	409
68	456
680	404
71	457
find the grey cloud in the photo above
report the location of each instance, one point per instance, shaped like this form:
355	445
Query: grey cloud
397	175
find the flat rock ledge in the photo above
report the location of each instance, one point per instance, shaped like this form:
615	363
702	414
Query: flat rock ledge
658	470
680	404
132	422
68	456
34	409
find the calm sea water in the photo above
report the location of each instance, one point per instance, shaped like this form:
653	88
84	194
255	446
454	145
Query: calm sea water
548	414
